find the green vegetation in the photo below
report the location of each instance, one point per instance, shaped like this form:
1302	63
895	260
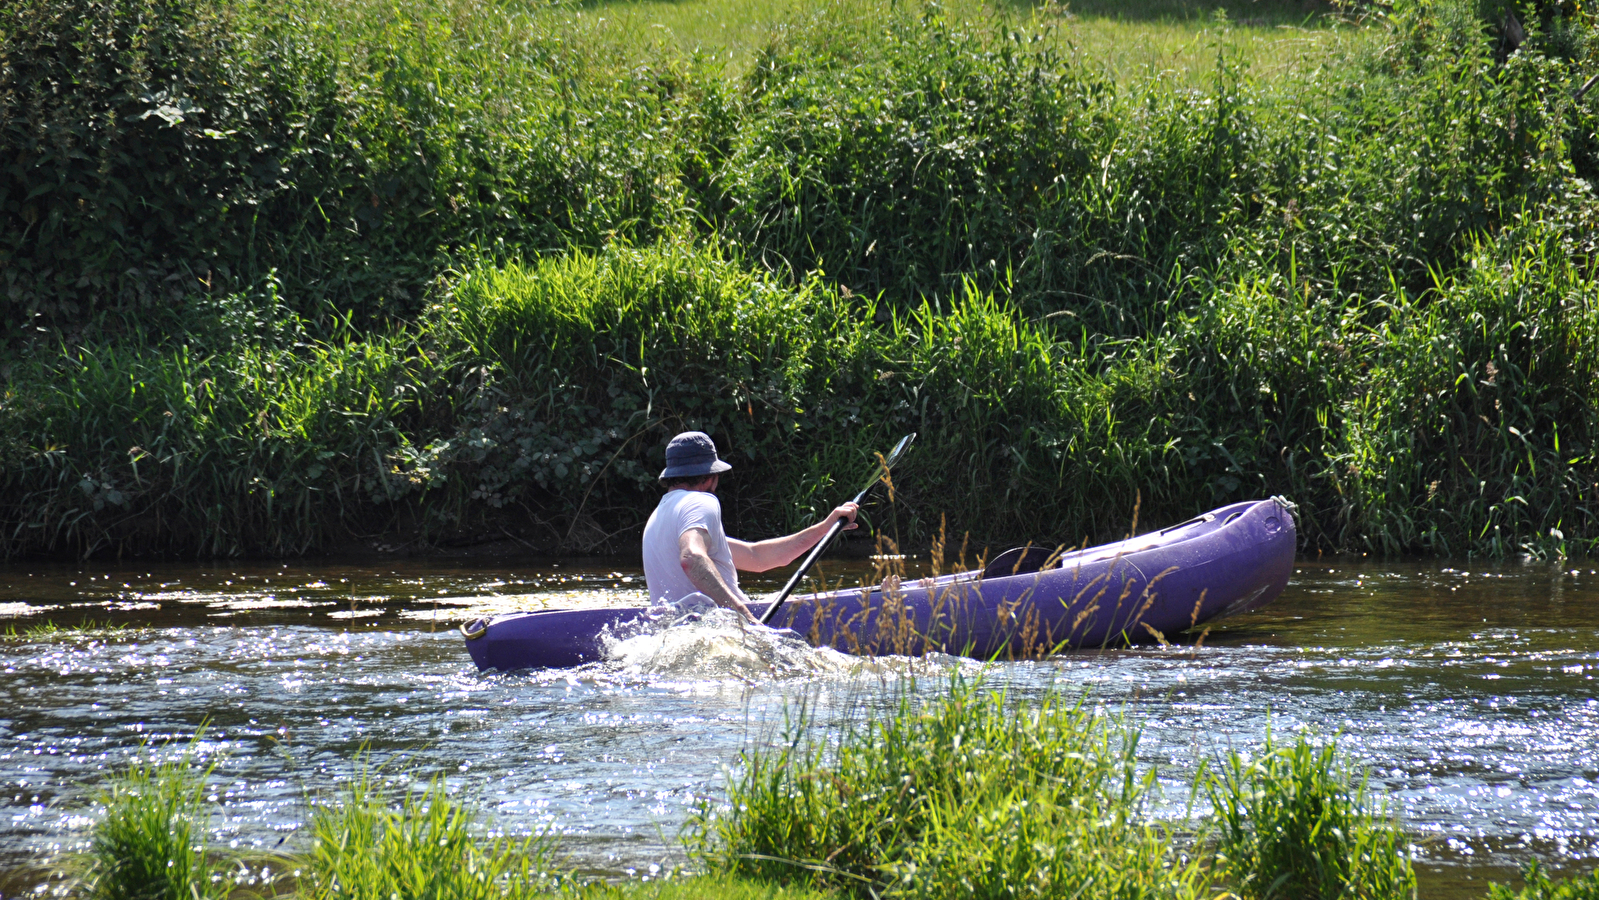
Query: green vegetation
1541	887
976	794
47	629
1294	823
276	274
698	887
962	791
151	843
422	844
970	795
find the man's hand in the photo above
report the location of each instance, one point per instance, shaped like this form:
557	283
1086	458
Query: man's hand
695	557
843	511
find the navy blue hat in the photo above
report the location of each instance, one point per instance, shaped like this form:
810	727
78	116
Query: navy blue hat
692	453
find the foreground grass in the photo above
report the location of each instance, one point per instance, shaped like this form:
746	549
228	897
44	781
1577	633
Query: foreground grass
969	795
369	843
955	792
696	887
151	844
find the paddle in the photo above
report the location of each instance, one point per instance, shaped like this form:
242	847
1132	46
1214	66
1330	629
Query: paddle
816	551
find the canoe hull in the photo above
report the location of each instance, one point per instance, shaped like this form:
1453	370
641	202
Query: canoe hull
1229	561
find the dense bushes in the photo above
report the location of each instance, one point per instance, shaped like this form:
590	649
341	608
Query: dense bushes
163	147
160	148
467	273
538	397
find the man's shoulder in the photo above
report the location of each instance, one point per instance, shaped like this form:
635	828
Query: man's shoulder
695	501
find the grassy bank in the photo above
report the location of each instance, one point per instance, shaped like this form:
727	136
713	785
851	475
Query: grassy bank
535	399
955	792
452	273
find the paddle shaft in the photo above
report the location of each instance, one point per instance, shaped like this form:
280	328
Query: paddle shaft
838	525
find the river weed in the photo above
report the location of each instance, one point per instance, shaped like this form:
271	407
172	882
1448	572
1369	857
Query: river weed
1539	886
50	629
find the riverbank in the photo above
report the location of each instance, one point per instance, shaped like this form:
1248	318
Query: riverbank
445	276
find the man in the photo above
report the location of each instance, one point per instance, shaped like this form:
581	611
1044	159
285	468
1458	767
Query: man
685	549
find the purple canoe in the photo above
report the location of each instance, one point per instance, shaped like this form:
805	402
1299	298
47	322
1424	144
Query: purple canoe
1023	604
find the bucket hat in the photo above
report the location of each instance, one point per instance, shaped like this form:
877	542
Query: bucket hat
692	453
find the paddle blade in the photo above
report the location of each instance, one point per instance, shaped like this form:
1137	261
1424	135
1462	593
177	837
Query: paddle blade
888	463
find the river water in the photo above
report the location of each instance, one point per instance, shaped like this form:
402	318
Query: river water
1467	690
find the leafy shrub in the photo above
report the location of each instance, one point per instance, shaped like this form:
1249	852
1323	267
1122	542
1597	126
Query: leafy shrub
168	147
127	126
947	151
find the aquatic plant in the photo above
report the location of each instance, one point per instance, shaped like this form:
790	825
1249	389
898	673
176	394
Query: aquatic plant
38	631
151	843
1293	822
374	840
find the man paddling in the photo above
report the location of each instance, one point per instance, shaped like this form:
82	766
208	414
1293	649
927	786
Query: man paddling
686	551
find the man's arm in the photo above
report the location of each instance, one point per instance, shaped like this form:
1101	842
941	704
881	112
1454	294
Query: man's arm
695	557
777	552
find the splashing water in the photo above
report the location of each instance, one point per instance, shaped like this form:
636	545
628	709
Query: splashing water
695	640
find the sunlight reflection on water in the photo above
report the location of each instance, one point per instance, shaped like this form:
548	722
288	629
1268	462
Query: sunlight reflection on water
1468	693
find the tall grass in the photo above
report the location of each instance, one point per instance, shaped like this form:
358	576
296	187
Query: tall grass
1294	822
537	397
128	448
962	791
708	886
151	844
370	843
966	795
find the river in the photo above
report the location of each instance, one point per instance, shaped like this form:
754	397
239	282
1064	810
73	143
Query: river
1467	690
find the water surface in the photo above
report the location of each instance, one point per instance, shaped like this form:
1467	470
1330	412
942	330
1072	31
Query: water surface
1467	690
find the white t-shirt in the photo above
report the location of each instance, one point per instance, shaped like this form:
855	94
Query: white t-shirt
680	510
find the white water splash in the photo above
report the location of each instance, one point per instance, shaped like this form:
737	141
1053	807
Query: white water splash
695	640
